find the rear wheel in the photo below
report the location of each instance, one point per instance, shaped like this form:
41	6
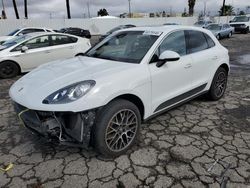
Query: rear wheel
219	84
116	128
8	69
218	36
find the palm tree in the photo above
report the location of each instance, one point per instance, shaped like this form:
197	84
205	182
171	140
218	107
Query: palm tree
15	8
25	9
68	9
227	10
191	4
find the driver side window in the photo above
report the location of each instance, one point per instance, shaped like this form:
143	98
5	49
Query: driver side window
175	42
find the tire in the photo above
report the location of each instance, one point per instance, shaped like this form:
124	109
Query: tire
230	35
109	137
219	84
246	31
8	69
218	37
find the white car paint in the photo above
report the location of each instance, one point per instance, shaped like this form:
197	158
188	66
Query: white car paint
20	32
32	58
151	84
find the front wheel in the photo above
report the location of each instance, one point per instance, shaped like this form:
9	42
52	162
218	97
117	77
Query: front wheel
8	69
219	84
116	128
218	36
230	35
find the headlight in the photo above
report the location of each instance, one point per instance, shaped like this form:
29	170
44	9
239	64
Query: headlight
70	93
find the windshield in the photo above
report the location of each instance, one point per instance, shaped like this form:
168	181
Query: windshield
241	19
214	27
15	41
13	32
127	46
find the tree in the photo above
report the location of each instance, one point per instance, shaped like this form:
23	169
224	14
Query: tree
25	9
15	8
102	12
191	4
184	14
68	9
228	10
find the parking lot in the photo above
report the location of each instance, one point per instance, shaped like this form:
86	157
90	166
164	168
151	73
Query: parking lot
199	144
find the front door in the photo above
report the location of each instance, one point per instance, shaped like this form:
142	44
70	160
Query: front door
171	83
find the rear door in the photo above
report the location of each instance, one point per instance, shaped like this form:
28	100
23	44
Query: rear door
63	46
203	52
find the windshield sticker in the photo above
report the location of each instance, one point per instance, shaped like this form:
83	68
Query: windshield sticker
156	33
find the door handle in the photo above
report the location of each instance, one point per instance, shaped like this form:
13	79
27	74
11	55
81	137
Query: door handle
188	66
47	51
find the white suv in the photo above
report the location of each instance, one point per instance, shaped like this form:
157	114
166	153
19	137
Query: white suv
100	99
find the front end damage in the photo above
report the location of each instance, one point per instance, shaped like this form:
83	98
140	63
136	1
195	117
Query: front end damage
66	127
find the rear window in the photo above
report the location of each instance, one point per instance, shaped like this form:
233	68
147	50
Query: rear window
196	42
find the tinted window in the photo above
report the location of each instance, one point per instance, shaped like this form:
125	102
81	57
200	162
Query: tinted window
175	42
26	31
38	42
196	41
60	40
210	41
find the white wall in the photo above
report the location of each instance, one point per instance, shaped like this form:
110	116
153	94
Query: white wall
96	26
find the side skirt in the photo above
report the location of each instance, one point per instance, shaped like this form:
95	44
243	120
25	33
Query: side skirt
177	103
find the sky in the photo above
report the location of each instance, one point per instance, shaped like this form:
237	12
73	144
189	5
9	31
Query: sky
57	8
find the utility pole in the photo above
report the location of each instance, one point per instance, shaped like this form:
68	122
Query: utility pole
129	7
223	8
3	11
25	9
88	9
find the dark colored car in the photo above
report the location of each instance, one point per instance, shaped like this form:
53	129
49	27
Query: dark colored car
116	29
76	31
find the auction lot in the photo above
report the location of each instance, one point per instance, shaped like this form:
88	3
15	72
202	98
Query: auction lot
199	144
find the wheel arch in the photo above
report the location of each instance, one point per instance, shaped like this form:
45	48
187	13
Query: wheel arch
19	68
225	66
135	100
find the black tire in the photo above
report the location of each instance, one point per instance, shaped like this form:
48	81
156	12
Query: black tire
246	31
219	84
8	69
104	127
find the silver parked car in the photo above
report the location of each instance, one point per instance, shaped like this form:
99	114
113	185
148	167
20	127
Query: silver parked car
221	30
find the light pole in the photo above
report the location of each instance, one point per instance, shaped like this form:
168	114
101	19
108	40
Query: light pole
129	6
223	7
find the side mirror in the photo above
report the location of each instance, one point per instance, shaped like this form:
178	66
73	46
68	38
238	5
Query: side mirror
24	49
167	56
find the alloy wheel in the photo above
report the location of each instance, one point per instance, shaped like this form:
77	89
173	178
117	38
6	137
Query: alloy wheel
220	85
121	130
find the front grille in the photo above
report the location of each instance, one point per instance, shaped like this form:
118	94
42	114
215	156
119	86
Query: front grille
237	25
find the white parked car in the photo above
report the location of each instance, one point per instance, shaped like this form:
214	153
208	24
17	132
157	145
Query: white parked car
131	76
23	31
26	52
241	24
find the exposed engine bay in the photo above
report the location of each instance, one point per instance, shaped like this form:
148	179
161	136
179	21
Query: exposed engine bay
66	127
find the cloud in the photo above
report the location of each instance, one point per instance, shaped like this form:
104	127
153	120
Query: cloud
57	8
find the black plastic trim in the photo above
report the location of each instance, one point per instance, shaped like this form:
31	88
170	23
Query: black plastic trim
180	97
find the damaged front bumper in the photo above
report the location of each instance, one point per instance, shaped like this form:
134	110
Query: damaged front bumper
66	127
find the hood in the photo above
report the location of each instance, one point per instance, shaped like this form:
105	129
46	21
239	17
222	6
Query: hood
53	76
237	23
